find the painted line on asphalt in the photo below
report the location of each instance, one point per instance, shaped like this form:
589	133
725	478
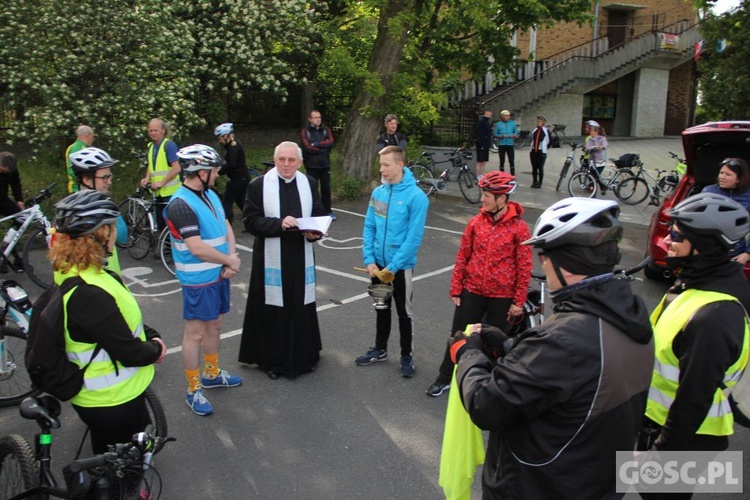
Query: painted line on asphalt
348	300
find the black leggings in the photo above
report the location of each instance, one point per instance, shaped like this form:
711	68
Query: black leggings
537	165
114	424
474	309
511	152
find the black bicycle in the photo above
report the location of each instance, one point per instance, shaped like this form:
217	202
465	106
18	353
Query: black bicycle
424	171
126	471
571	160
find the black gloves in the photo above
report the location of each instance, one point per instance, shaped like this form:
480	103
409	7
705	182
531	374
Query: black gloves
490	340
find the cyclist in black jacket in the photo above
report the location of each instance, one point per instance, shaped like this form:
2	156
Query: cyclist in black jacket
235	169
564	397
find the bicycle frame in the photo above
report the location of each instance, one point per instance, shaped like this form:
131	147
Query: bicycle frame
32	214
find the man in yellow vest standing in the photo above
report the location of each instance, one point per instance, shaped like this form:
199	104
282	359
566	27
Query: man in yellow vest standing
84	139
163	167
700	329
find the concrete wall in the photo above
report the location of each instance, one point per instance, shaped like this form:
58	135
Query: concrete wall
624	112
565	109
649	102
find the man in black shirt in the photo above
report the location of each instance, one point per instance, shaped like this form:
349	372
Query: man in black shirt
317	142
235	168
10	178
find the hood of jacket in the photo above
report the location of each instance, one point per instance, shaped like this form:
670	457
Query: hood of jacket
514	210
610	299
406	181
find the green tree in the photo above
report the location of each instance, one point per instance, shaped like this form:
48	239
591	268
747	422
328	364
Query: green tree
421	47
724	76
113	64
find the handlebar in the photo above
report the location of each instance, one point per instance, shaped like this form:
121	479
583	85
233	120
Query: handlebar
674	156
43	195
627	274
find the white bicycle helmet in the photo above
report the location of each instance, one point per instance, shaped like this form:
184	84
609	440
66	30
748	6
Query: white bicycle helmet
714	215
89	160
224	129
199	157
84	212
577	221
592	123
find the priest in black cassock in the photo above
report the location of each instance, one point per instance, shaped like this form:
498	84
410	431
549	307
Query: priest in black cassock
280	333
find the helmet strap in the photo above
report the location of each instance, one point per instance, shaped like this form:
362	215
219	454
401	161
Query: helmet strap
558	273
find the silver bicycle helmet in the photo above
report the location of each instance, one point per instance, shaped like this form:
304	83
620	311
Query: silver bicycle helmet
577	221
224	129
89	160
199	157
714	215
84	212
592	123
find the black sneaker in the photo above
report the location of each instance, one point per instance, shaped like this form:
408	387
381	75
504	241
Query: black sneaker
437	389
407	366
371	356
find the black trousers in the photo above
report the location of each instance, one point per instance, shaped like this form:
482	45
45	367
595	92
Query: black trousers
114	424
473	309
323	176
402	295
161	203
511	152
537	165
234	194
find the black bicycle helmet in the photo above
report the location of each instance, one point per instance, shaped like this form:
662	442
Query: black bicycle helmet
199	157
712	215
585	222
84	212
89	160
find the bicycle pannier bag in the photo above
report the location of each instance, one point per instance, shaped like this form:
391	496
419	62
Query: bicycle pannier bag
46	361
626	160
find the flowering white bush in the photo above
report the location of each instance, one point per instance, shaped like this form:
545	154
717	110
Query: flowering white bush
114	64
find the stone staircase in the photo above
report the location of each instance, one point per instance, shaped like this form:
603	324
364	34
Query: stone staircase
587	67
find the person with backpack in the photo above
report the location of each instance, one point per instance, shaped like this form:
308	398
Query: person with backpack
103	325
701	332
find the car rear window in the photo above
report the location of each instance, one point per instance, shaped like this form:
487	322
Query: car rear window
711	149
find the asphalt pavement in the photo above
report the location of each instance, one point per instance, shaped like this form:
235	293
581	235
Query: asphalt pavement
343	431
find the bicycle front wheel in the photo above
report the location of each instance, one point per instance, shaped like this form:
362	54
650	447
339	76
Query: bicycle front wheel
563	174
632	191
157	415
140	238
18	468
425	179
582	184
15	383
36	258
165	251
469	184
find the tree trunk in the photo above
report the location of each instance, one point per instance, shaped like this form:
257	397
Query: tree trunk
366	116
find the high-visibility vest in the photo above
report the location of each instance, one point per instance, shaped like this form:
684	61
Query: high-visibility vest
103	384
160	170
667	323
190	270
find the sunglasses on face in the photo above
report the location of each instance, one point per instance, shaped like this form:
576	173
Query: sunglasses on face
676	236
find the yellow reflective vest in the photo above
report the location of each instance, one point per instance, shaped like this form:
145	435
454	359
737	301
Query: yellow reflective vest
667	323
160	170
103	385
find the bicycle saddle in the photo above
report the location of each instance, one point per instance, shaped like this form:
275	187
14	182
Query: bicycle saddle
42	409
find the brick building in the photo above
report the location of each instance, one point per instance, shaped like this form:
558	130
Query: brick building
631	70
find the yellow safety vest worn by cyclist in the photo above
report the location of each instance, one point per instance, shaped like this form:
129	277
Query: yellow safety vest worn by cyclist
668	322
103	384
160	170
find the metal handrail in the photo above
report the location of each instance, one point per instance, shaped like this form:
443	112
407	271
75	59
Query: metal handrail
565	61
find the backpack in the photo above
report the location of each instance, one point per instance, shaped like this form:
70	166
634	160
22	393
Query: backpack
46	360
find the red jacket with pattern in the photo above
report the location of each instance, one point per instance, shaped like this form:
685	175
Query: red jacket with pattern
491	260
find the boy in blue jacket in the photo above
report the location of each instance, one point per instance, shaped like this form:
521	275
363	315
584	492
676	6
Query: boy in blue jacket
394	226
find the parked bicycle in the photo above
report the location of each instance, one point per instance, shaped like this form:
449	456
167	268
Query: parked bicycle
126	471
524	139
34	260
424	171
587	182
571	161
636	187
139	213
15	314
556	135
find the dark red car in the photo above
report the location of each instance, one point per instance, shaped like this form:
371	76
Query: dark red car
705	147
